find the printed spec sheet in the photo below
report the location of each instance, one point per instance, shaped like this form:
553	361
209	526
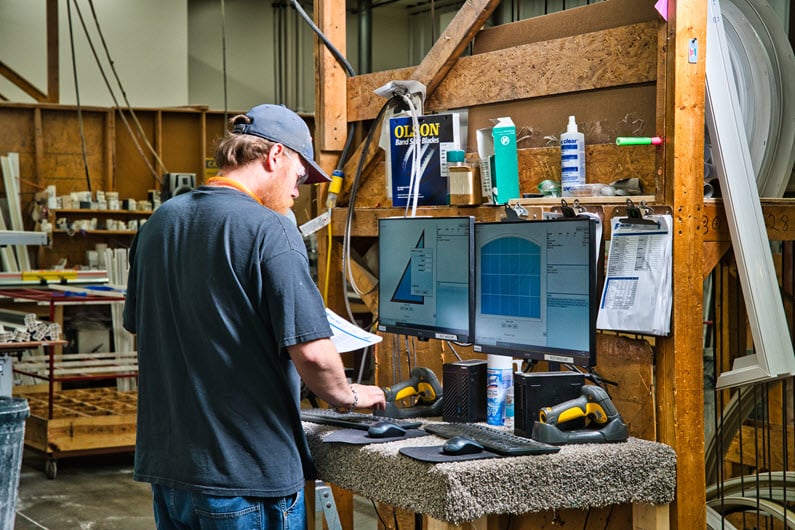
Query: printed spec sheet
637	293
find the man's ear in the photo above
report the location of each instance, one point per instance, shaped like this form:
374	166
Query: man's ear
274	154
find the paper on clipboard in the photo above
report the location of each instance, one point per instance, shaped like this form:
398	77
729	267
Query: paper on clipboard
637	295
349	337
597	224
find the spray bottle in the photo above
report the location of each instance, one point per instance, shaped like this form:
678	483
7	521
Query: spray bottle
572	158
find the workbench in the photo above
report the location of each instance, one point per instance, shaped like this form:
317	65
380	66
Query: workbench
636	472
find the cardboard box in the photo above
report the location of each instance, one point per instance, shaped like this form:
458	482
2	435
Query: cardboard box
499	160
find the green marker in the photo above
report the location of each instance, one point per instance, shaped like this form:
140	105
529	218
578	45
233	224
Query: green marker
638	140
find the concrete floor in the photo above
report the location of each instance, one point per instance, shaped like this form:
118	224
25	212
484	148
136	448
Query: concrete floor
98	493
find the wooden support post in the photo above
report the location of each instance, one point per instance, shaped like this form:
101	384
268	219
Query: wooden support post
680	378
53	79
331	98
477	524
650	517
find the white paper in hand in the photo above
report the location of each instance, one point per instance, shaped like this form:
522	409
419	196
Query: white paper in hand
347	336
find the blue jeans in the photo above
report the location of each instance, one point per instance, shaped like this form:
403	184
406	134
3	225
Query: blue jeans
181	510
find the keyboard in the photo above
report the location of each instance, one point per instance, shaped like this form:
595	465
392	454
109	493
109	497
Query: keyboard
353	420
494	440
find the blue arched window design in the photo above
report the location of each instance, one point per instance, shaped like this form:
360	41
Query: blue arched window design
510	278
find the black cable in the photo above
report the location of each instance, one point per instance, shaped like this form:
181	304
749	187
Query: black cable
375	509
609	515
77	95
337	55
113	96
343	62
123	93
352	202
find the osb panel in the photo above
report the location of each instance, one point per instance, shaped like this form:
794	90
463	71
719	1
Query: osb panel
601	115
604	163
630	364
615	57
63	164
616	517
183	142
595	17
133	175
16	134
396	355
215	128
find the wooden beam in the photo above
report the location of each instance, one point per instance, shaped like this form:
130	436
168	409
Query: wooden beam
779	215
680	377
365	220
618	56
713	252
53	61
22	83
330	98
452	43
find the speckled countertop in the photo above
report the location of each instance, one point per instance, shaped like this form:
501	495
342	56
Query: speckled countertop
579	477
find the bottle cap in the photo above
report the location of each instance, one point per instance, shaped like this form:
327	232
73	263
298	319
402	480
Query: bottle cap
572	127
455	155
499	362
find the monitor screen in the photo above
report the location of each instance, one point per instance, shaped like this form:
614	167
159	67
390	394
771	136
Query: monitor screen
425	276
535	294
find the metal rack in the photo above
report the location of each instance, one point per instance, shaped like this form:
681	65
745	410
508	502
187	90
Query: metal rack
73	422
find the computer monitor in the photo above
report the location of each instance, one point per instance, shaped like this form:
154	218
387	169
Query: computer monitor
535	290
425	277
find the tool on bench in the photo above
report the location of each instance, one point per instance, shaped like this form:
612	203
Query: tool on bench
606	424
422	389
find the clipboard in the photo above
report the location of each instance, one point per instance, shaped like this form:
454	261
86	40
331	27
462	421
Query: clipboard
637	295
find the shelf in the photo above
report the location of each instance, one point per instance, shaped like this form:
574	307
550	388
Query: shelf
76	211
95	232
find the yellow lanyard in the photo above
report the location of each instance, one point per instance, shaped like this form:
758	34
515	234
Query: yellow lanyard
224	181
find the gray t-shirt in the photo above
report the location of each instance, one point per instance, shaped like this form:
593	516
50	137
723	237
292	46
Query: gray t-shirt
218	287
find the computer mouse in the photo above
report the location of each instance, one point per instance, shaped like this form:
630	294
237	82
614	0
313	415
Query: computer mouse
460	445
385	429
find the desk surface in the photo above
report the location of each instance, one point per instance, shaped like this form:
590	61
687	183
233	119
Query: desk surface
579	477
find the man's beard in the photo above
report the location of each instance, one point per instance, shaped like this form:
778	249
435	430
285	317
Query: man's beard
276	199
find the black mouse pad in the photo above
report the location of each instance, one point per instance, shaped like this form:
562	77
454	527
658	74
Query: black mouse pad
360	437
434	454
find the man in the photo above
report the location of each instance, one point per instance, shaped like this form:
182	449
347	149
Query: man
227	317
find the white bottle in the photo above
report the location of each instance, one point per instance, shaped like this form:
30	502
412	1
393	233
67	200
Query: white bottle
572	158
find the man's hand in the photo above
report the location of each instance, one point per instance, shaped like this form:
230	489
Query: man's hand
320	366
370	397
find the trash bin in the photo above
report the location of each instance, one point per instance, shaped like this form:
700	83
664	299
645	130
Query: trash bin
13	412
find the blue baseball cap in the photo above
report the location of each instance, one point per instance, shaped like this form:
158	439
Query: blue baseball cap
279	124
